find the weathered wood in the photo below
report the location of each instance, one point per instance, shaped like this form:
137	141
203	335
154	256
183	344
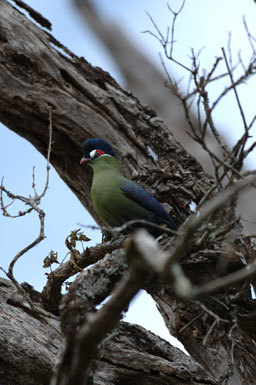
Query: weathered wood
51	294
144	360
29	348
229	342
87	102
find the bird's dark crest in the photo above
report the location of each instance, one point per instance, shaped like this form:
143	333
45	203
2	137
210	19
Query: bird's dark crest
97	144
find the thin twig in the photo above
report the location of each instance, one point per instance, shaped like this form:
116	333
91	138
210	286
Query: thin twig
33	203
235	91
190	323
175	15
225	281
128	225
48	154
182	242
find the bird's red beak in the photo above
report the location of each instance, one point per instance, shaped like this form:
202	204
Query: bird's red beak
85	160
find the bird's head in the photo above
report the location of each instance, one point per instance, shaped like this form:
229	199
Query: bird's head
94	148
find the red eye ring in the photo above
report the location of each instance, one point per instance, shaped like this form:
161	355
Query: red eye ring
99	153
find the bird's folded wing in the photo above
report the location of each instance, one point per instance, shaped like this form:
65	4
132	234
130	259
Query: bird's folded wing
146	200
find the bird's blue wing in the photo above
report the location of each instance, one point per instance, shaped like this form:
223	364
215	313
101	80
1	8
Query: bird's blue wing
146	200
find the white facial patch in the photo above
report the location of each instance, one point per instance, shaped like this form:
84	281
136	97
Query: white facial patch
92	153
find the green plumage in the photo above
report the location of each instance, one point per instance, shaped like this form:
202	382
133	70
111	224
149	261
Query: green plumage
117	199
110	202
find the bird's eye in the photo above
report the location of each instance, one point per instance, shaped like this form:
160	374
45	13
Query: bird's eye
99	153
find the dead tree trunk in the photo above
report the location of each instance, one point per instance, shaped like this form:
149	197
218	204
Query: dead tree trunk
87	102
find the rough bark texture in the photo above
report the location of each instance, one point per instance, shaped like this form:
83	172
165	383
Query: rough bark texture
29	347
87	102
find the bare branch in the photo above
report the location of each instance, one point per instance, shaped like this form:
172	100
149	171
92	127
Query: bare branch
187	231
250	37
225	281
33	203
102	322
235	91
175	15
129	225
51	294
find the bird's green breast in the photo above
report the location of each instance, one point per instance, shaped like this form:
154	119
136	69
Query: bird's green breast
109	201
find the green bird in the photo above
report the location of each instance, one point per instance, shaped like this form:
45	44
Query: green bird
117	199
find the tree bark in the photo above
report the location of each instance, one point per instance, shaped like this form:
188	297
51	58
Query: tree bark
87	102
29	346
